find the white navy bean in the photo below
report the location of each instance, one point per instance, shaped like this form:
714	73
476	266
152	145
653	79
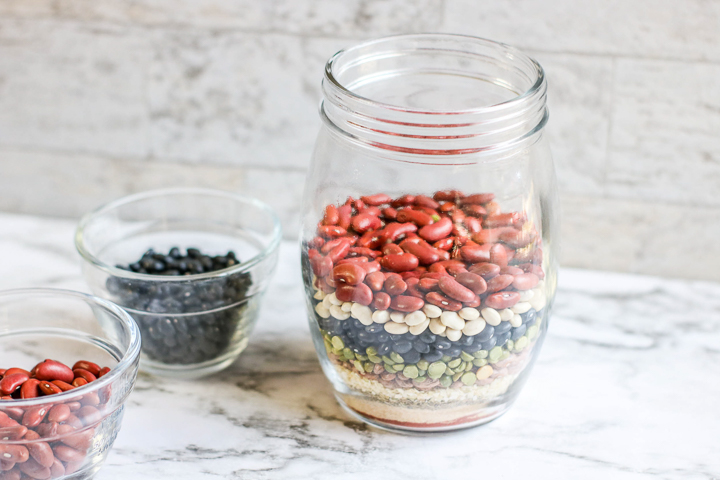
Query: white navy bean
521	307
346	306
337	312
436	326
334	300
506	314
526	295
319	295
538	301
432	311
452	320
516	321
415	318
397	317
453	335
468	313
394	328
473	327
491	316
326	301
381	316
420	328
322	310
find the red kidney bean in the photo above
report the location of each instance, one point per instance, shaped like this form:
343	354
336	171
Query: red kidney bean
492	208
316	242
33	469
362	222
394	231
418	218
389	213
353	260
457	216
6	421
475	211
444	244
332	231
447	207
413	289
339	252
360	293
517	238
364	252
501	282
437	230
502	220
348	274
330	244
29	389
53	370
403	201
12	382
359	204
475	253
2	371
344	215
370	267
72	421
425	253
399	262
321	266
473	225
450	287
472	281
376	200
76	405
442	301
331	216
39	451
4	467
381	301
448	196
34	415
410	274
391	249
89	415
330	281
476	302
14	453
395	285
58	413
485	270
509	270
78	382
72	467
92	399
375	281
498	255
406	303
48	430
525	281
68	454
82	373
501	300
374	211
57	469
370	240
477	199
530	268
455	270
13	433
428	284
10	371
425	201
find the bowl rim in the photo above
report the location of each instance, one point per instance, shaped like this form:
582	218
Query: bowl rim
266	252
128	359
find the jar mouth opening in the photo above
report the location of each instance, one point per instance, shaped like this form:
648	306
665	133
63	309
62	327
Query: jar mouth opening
342	61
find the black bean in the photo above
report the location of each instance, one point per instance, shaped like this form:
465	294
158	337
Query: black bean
175	252
502	338
443	344
518	332
403	347
411	357
420	346
502	328
433	355
384	348
193	252
489	344
427	337
485	335
453	351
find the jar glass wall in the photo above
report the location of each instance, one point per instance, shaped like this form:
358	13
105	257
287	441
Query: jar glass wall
429	229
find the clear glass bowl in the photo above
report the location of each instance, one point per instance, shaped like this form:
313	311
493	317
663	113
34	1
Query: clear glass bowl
192	325
432	167
39	324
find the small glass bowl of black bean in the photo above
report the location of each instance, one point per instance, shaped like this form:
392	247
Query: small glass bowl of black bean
190	266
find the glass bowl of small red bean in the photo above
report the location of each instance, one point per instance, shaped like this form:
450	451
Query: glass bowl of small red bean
68	362
190	266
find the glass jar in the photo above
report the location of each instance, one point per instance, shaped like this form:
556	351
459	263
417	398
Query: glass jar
429	246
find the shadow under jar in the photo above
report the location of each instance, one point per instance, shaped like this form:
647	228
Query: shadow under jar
429	229
190	266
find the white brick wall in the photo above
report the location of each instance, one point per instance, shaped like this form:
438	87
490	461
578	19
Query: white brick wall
100	98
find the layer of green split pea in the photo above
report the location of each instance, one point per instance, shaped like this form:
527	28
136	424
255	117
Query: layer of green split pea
447	370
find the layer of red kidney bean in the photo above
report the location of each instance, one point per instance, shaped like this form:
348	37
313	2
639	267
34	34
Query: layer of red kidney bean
451	250
65	454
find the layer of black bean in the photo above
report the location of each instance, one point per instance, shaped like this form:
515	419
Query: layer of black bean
185	339
427	345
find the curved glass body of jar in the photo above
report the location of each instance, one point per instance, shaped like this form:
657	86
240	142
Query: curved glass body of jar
429	229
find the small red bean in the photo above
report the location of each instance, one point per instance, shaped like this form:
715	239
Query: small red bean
52	370
406	303
457	216
436	231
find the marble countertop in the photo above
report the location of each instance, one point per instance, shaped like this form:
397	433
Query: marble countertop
627	387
